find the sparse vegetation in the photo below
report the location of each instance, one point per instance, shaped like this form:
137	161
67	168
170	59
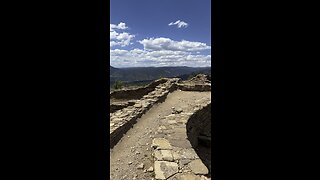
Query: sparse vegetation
192	75
118	85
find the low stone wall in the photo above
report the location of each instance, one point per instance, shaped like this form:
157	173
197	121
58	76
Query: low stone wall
117	106
122	120
138	92
196	87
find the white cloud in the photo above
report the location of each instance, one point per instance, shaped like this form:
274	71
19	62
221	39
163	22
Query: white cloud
179	24
120	39
121	25
156	51
157	44
139	58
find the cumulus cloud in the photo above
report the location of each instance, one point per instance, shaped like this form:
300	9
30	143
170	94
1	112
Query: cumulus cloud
157	44
140	57
120	38
179	24
121	25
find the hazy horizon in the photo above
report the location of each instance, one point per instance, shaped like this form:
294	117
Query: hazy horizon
159	66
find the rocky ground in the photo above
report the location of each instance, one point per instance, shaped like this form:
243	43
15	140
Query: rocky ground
131	157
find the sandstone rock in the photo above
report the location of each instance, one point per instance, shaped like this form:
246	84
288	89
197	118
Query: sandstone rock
184	162
176	156
188	154
150	169
161	143
204	178
165	155
198	167
188	177
179	110
117	120
172	121
140	166
164	169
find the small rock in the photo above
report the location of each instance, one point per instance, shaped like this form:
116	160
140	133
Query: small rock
198	167
129	162
172	121
150	169
179	110
140	166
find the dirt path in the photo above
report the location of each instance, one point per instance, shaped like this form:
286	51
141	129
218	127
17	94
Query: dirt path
134	148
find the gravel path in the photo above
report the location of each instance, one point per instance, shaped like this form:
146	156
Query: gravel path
131	157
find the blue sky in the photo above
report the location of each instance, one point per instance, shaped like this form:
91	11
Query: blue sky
160	33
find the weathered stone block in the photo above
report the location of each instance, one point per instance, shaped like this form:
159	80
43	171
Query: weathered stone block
161	143
163	155
198	167
164	169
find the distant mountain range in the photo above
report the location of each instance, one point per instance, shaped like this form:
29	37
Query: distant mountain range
140	74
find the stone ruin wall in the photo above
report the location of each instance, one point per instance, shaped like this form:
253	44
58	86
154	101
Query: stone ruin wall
138	92
122	120
174	155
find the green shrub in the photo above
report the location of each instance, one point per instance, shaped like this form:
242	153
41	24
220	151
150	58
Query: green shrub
118	85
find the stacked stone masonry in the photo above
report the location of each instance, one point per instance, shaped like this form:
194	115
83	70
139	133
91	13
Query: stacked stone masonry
174	156
172	149
121	120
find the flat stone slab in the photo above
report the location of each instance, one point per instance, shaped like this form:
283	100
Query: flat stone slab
197	167
138	105
188	154
163	155
161	143
189	177
165	169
